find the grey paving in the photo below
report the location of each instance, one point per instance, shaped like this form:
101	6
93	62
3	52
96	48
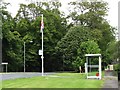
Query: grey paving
7	76
111	81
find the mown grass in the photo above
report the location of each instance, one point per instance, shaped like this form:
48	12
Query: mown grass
60	80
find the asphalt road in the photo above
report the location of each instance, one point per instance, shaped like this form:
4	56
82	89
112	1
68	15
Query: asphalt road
111	81
6	76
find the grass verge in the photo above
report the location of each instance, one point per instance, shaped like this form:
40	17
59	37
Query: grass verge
60	80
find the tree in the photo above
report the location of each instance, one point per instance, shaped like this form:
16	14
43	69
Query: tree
118	50
26	27
87	47
67	47
11	43
61	40
91	14
111	52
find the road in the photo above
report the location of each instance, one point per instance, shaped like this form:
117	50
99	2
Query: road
6	76
111	81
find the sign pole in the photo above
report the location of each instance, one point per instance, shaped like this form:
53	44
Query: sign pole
42	50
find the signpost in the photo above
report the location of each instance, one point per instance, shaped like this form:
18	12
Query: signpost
40	52
6	65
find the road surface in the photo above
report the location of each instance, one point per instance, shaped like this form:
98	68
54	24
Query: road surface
6	76
111	81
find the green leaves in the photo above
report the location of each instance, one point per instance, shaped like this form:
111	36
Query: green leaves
91	15
89	47
26	27
70	45
88	13
64	44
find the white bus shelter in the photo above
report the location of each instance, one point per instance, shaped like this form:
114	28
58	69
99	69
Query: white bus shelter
93	66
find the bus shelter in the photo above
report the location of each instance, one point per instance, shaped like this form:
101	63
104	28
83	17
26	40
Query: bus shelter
89	66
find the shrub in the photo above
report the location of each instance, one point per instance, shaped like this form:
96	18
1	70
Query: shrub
117	67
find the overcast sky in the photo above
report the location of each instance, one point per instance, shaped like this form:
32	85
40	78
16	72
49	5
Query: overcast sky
112	4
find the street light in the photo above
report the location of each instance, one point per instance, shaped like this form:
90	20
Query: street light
24	54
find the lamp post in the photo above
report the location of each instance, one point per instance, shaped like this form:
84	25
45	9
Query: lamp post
24	54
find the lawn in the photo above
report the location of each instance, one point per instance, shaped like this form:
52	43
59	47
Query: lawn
59	80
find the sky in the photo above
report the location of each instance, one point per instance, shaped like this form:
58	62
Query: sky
112	17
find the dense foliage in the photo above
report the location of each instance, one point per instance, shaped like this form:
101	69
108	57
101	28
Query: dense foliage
65	43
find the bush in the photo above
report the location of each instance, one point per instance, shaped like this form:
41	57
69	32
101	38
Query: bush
117	67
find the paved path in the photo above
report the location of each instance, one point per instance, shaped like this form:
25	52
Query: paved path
111	82
7	76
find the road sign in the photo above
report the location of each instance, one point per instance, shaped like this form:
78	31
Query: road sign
40	52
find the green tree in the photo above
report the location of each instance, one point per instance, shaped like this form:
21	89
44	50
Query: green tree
28	25
11	43
118	54
67	47
91	14
111	52
87	47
